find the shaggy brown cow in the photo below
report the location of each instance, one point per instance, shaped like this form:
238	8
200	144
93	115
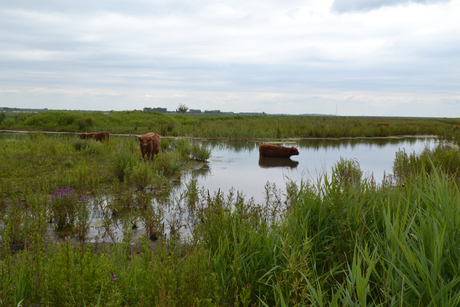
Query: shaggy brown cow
149	144
273	151
383	124
455	128
101	136
86	136
98	136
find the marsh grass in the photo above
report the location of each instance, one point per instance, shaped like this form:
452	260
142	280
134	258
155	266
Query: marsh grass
235	127
342	240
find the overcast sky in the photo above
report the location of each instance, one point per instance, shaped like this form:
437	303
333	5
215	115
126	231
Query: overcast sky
353	57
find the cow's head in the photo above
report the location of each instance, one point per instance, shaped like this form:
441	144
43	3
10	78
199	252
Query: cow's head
294	151
144	141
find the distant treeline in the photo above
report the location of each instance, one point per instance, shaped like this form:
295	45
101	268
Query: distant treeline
228	126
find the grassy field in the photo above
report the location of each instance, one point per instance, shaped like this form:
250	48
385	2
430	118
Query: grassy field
344	240
227	126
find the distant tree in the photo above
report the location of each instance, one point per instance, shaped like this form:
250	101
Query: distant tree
182	108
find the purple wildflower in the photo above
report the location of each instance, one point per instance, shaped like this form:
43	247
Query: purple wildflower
248	286
67	239
384	175
346	173
83	198
114	278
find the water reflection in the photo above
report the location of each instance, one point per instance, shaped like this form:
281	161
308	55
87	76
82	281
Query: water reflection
237	165
266	162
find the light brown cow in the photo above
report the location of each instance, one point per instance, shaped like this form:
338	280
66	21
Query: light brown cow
383	124
98	136
149	144
273	151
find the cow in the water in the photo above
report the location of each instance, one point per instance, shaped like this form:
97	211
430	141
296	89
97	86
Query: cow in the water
273	151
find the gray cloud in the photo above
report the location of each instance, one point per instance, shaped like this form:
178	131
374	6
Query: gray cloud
231	55
343	6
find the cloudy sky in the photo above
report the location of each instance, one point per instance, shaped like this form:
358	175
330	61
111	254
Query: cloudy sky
350	57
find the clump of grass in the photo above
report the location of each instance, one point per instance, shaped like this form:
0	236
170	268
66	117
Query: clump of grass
66	207
201	152
347	171
168	163
141	175
445	157
122	162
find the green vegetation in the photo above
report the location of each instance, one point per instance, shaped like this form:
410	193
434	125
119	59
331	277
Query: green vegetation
344	240
228	126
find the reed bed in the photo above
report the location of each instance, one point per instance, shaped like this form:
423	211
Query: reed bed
343	240
237	127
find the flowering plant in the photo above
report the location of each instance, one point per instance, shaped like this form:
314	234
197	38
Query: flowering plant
64	208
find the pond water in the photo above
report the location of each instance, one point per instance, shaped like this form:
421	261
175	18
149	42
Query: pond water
237	164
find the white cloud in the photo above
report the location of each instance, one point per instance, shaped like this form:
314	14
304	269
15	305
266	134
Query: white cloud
237	55
342	6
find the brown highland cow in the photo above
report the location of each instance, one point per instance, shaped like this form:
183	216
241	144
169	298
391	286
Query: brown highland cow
273	151
455	128
149	144
383	124
98	136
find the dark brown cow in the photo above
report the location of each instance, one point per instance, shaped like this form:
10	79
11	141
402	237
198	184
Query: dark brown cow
86	136
149	144
455	128
101	136
273	151
383	124
98	136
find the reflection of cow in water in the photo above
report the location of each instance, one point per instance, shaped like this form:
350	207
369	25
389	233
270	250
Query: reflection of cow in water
272	151
265	162
98	136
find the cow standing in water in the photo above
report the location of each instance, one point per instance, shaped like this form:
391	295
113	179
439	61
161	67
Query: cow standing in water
149	144
273	151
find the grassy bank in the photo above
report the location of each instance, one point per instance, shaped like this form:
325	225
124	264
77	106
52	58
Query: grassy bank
341	241
228	126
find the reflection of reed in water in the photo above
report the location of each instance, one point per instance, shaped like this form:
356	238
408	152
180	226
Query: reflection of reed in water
265	162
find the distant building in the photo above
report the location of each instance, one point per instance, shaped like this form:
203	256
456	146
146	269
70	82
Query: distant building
161	110
212	112
195	111
252	113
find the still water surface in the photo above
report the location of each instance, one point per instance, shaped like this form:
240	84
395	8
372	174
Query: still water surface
237	164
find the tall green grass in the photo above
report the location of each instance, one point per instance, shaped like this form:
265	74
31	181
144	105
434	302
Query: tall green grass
238	127
343	240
